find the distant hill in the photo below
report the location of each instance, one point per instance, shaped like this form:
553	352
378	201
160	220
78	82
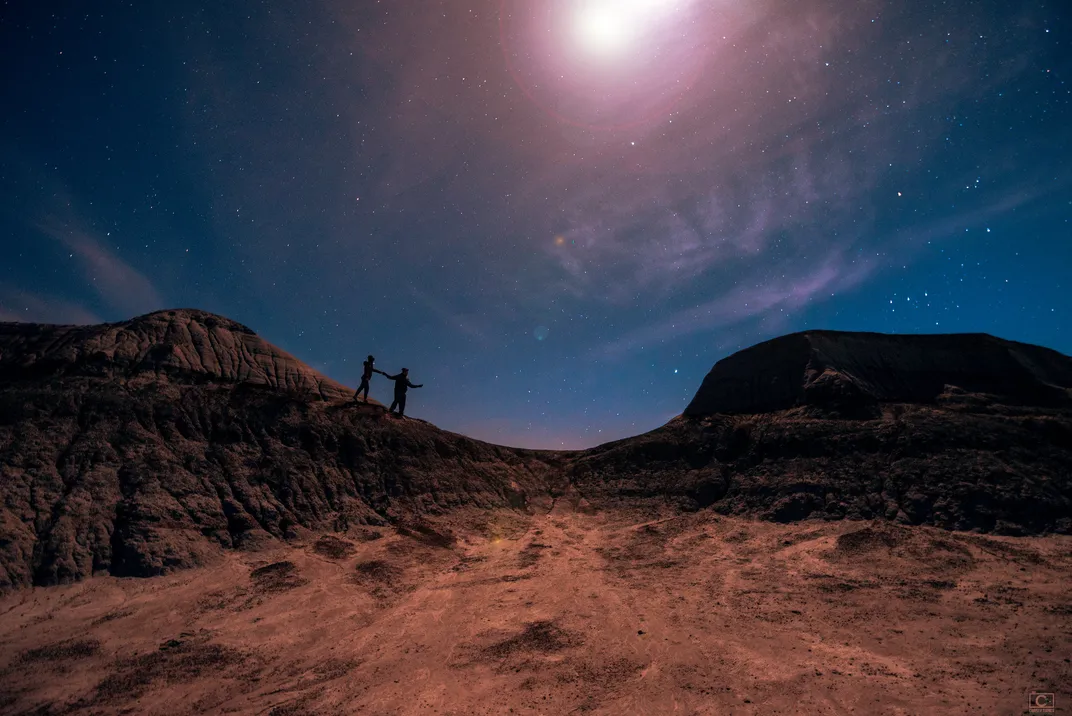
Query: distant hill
855	372
966	432
141	447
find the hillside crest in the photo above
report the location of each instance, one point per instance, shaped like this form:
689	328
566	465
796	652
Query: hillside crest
146	446
854	372
180	345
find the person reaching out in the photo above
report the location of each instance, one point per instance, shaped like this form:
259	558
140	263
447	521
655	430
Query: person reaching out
402	384
366	376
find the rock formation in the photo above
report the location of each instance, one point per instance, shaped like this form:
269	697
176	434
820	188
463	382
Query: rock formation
966	432
857	371
187	345
141	447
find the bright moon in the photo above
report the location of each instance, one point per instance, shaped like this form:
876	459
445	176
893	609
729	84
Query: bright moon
610	27
603	31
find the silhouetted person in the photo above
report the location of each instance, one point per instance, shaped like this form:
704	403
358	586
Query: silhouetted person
401	385
366	376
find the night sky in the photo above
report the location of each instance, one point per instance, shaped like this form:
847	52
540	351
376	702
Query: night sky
557	213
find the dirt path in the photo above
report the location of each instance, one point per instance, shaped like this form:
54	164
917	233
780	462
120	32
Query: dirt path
566	614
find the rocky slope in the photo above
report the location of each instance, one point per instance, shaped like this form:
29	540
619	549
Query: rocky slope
141	447
966	432
145	446
950	466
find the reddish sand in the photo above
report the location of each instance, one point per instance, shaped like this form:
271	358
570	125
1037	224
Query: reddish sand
564	613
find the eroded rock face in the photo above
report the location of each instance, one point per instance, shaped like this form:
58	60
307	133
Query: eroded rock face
143	481
957	466
187	344
849	374
966	432
143	447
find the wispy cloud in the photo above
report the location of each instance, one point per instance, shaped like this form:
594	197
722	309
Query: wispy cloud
53	211
780	299
656	237
772	171
119	285
796	290
23	307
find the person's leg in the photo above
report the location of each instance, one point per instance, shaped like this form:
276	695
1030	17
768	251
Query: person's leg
393	406
402	407
364	386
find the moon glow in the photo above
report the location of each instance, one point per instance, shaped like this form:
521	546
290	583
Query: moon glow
606	64
602	31
611	27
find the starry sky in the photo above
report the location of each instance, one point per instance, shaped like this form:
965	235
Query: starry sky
558	214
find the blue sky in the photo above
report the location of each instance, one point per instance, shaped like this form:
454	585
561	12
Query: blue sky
556	216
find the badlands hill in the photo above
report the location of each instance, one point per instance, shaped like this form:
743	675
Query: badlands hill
965	432
854	372
184	347
141	447
146	446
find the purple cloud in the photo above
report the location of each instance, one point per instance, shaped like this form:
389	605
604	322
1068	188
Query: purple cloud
120	285
20	306
778	298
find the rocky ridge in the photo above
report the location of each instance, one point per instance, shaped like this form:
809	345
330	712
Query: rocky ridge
142	447
187	345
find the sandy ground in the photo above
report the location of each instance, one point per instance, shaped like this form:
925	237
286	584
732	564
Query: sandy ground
565	613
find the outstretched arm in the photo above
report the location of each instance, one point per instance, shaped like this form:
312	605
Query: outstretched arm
416	386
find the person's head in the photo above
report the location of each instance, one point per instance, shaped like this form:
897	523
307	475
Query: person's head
371	359
405	371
